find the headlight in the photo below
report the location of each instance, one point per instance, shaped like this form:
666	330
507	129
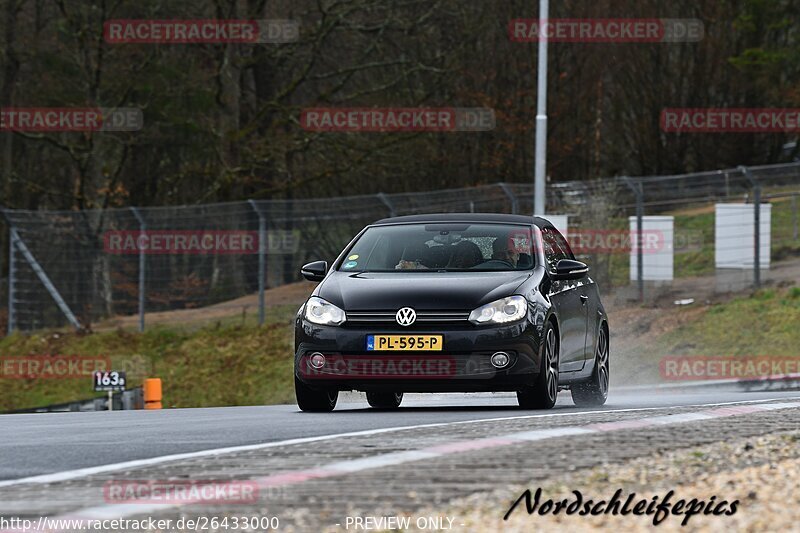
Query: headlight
319	311
500	311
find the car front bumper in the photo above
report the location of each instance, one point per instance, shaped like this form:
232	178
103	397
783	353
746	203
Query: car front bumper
462	366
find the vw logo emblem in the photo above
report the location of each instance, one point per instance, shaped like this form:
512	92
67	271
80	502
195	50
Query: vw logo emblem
406	316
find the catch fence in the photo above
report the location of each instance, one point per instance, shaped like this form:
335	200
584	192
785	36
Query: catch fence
79	268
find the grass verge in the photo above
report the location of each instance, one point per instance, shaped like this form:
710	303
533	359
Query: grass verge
761	325
219	365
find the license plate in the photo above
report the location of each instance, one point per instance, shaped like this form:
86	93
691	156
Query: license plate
405	343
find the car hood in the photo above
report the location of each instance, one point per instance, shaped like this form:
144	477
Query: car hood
439	291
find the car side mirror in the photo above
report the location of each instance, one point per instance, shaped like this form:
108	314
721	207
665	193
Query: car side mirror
314	271
570	269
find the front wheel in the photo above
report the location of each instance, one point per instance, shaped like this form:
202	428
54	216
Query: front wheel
315	401
384	400
543	394
595	391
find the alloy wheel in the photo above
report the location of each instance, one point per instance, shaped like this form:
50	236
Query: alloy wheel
602	363
551	356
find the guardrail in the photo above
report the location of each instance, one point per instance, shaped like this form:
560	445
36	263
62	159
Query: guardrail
122	401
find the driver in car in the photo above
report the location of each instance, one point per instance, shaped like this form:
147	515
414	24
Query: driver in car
502	250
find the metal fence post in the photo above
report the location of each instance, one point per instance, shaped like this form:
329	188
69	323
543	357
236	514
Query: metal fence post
388	203
142	268
42	275
638	191
757	223
12	275
262	260
757	234
511	196
727	185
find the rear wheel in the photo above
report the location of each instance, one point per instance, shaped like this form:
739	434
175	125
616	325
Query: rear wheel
543	394
314	400
595	391
384	400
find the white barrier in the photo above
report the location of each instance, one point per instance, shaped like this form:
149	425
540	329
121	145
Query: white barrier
734	230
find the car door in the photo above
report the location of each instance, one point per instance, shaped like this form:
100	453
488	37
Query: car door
593	314
569	297
589	297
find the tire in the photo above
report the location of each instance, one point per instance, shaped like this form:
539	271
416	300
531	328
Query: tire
595	391
314	401
384	400
545	391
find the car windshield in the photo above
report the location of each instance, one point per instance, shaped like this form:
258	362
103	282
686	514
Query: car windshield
441	247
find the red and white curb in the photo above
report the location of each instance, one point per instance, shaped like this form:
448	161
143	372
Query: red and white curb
341	468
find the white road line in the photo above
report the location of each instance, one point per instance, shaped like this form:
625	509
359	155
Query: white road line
539	434
138	463
379	461
396	458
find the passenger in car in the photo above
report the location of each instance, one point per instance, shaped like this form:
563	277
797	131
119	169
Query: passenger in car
413	258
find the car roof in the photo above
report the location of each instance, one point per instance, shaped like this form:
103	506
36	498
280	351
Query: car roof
466	217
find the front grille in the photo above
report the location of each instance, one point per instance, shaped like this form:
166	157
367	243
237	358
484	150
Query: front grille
423	317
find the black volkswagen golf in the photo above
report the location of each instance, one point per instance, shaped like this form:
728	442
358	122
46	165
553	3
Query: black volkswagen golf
452	303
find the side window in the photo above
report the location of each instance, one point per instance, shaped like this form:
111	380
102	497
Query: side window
555	247
563	245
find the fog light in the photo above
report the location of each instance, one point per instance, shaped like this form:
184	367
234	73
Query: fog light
317	360
500	360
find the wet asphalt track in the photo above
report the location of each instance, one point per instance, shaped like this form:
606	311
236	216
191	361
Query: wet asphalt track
35	444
